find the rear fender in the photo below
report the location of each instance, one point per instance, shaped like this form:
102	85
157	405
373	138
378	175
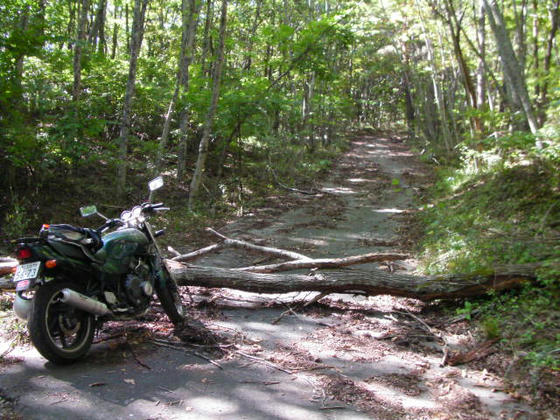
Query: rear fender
22	306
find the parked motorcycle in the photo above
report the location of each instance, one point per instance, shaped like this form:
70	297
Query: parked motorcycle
72	279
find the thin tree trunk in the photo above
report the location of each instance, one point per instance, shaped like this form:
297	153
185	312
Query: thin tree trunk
249	51
513	72
95	35
190	12
481	42
207	41
208	124
78	48
521	31
554	16
102	44
440	103
135	45
309	91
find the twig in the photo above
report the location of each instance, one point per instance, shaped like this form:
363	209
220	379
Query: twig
261	383
316	299
444	348
277	320
198	253
178	347
281	185
207	359
420	321
263	361
266	250
140	362
174	251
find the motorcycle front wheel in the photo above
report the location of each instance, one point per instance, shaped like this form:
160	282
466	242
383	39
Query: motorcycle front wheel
170	299
60	332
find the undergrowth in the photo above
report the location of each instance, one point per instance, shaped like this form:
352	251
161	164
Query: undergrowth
502	206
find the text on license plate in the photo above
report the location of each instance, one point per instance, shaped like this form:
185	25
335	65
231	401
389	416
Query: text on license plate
27	271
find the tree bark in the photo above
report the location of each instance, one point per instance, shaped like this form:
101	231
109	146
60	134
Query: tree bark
513	72
78	47
371	282
190	10
209	122
135	45
554	17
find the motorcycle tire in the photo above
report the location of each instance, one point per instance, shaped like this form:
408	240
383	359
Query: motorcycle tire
60	332
170	299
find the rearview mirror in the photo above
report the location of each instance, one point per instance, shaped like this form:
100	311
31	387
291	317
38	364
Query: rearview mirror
88	211
155	183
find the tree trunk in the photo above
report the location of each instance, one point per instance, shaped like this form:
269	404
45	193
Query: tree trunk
135	45
207	39
481	43
455	24
78	48
307	126
372	282
513	72
97	33
353	281
554	16
190	12
249	50
208	124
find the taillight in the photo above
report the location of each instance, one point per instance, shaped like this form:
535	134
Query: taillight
23	253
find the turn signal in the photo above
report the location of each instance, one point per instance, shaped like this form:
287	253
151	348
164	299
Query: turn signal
50	264
45	226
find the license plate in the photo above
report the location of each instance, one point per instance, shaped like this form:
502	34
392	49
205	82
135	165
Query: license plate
27	271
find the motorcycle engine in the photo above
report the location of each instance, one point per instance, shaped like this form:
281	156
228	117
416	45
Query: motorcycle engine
137	285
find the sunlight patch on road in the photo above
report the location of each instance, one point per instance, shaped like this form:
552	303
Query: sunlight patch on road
389	211
315	242
392	396
212	406
338	190
360	180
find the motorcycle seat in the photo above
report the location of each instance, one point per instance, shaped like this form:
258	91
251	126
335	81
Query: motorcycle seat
71	240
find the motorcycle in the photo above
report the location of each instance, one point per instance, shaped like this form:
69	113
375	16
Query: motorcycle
71	279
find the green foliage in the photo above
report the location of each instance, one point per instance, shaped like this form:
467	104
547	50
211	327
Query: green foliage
501	207
491	328
16	219
466	310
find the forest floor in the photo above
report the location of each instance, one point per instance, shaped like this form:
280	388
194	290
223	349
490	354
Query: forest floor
343	357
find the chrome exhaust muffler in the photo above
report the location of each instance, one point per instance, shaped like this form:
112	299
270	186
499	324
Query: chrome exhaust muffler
85	303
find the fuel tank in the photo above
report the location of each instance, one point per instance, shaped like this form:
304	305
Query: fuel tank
119	249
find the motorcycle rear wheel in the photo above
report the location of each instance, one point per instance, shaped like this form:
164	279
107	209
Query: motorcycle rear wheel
60	332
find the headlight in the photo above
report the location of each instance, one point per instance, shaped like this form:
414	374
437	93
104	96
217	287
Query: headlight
136	212
125	215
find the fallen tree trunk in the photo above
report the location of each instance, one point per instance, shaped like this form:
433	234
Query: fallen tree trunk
370	282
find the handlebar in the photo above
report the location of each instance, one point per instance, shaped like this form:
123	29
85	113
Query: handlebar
109	224
148	207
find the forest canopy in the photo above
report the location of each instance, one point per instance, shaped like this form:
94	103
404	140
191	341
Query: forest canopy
209	88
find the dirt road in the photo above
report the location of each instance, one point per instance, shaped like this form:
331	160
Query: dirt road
345	357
